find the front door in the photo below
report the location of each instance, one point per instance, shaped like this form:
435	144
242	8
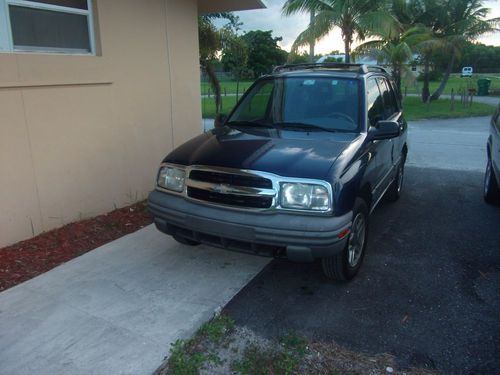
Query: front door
382	149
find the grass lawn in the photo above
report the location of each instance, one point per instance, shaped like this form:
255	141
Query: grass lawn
208	106
414	108
229	86
455	82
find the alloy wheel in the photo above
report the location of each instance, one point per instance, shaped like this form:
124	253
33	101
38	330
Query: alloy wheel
356	240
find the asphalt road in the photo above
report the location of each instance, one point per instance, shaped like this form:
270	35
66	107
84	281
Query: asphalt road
452	144
429	289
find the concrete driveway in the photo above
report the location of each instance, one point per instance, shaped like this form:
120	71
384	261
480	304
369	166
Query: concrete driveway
117	309
429	288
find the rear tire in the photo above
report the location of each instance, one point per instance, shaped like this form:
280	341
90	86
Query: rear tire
346	264
491	189
186	241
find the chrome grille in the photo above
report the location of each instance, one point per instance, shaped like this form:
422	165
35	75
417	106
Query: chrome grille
232	189
231	179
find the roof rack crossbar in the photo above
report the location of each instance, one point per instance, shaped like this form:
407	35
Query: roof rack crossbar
360	68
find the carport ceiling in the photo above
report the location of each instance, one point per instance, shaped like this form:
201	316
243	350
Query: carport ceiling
213	6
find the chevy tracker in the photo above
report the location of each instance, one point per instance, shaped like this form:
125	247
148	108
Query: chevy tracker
293	171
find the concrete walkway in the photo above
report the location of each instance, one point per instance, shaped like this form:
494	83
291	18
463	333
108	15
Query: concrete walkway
117	309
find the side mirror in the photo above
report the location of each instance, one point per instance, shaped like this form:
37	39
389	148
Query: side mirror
384	130
220	119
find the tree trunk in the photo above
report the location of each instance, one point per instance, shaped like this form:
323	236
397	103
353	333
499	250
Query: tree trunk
443	83
347	49
214	82
311	43
425	89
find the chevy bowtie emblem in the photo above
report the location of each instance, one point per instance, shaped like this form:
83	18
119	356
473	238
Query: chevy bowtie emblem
221	188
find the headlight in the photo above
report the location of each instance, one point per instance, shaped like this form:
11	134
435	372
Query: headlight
171	178
305	196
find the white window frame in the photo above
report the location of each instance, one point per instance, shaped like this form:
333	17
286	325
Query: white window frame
6	40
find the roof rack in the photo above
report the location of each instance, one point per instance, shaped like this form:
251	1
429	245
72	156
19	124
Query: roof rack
359	68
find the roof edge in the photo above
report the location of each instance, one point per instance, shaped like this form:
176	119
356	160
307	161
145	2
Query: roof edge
215	6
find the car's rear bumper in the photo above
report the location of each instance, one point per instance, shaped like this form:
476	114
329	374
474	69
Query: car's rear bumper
299	237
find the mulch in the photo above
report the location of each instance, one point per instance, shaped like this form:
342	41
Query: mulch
26	259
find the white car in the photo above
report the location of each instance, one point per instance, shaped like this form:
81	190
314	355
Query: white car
466	71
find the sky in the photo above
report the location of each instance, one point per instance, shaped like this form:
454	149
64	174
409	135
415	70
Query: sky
289	27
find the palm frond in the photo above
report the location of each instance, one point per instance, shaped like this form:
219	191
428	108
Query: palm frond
304	6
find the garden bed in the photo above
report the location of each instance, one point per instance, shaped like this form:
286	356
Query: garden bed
27	259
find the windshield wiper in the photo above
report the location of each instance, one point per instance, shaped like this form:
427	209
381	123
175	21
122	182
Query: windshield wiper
249	123
303	126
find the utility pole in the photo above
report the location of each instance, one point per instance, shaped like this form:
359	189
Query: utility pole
311	43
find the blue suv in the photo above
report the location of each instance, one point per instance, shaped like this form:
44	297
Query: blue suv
295	169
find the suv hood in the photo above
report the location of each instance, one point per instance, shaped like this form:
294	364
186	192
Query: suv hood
282	152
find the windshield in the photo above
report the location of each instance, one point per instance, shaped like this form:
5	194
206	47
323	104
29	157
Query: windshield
322	103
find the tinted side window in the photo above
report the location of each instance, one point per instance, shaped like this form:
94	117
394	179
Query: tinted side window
375	104
390	104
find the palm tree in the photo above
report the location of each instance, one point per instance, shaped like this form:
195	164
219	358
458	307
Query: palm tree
353	17
462	21
211	42
430	14
423	14
312	42
393	45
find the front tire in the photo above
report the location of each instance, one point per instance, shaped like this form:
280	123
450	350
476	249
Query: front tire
491	189
346	264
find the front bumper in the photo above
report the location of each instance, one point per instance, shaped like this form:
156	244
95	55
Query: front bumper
298	237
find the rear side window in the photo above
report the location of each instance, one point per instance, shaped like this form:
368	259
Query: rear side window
374	102
390	104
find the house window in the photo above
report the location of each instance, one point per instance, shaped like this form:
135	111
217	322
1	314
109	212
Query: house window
60	26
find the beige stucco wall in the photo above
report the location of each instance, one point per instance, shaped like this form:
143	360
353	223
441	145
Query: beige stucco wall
80	135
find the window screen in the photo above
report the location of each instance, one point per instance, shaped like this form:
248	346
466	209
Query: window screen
46	29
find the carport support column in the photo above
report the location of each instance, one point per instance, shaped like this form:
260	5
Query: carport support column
184	68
